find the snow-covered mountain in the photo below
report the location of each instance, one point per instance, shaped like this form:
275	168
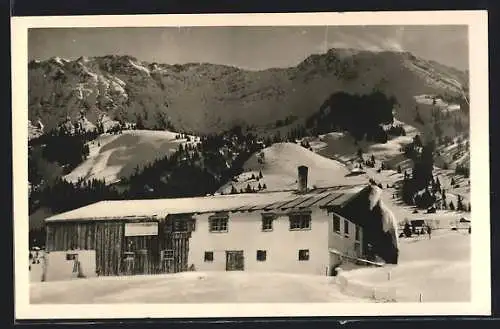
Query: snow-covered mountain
112	157
205	97
278	165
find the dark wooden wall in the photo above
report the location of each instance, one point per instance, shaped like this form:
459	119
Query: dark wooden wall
108	239
177	232
109	247
179	243
147	253
357	211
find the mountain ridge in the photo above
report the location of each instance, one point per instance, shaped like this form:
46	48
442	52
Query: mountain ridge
205	98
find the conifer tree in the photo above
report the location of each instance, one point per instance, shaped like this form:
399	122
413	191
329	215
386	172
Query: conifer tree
460	206
452	206
360	153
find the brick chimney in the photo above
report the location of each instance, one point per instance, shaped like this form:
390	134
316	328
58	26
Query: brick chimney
302	179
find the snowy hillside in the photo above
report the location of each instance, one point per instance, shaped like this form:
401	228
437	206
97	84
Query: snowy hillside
422	275
114	156
208	98
343	147
457	152
278	165
437	102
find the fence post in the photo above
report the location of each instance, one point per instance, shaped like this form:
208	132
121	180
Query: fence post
420	298
389	276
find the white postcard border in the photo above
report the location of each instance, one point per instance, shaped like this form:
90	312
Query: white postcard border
480	252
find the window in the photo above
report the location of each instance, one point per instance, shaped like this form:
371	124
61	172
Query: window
346	227
184	224
168	254
267	222
218	223
261	255
358	229
209	256
336	223
180	225
304	254
300	221
71	256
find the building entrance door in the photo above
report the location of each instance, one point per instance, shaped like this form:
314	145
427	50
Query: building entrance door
357	249
235	260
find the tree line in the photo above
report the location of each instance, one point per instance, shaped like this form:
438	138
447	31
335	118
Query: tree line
61	147
360	115
421	188
194	169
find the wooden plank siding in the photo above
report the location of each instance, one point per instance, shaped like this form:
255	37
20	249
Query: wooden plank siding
147	253
177	232
108	239
67	236
179	243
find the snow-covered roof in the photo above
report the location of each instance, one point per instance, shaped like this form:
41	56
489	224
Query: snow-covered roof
160	208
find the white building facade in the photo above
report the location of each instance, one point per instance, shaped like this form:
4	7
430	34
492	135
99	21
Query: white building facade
296	231
292	242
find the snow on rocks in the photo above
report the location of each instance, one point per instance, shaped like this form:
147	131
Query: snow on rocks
139	67
35	130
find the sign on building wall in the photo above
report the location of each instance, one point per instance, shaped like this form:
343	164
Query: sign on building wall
141	229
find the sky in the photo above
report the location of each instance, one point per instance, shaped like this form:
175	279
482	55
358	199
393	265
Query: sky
248	47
